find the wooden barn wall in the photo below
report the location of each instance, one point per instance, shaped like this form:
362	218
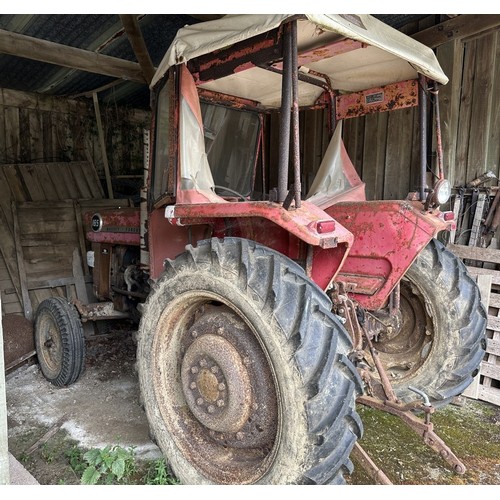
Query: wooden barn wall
42	129
51	133
384	146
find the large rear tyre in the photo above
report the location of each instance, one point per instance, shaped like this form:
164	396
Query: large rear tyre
244	370
440	342
59	341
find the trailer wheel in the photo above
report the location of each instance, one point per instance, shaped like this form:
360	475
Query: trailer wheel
59	341
244	370
441	338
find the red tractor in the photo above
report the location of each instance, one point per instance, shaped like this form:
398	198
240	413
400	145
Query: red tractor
270	305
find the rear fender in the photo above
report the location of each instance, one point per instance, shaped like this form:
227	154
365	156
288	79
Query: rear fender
388	236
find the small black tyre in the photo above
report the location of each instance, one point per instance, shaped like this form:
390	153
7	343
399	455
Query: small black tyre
441	342
59	341
244	371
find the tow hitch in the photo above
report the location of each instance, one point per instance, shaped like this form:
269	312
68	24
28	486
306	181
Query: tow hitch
380	394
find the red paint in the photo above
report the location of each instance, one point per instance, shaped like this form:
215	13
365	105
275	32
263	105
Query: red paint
388	237
121	226
300	222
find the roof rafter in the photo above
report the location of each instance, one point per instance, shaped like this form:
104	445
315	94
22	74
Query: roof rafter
36	49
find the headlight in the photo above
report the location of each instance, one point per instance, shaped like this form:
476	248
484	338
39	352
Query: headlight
442	191
439	195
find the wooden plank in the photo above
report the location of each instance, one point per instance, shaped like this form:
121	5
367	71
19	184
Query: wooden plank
89	173
450	56
24	136
465	114
8	251
81	238
456	28
50	226
493	152
399	146
27	307
490	370
44	239
374	154
30	179
36	135
5	199
41	212
479	134
48	186
493	323
490	394
13	178
79	181
484	285
493	347
475	231
495	275
475	253
102	144
12	133
3	149
494	300
71	57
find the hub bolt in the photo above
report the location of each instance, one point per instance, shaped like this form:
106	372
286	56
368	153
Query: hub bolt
192	385
220	403
214	369
194	369
199	401
211	409
222	387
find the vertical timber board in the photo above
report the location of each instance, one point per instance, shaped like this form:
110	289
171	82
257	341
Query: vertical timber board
465	113
29	175
493	153
481	102
3	147
12	132
451	56
36	136
27	307
398	159
374	154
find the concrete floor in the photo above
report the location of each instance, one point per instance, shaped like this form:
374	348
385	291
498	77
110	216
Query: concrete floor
101	408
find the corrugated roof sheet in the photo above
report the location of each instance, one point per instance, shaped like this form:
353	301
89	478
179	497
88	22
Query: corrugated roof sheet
103	33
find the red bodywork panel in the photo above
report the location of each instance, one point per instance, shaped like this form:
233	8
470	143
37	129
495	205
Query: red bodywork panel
120	226
388	237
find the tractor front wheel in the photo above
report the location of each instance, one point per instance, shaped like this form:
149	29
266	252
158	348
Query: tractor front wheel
439	342
244	370
59	341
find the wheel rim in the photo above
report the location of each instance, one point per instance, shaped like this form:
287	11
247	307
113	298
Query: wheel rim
215	389
50	345
404	349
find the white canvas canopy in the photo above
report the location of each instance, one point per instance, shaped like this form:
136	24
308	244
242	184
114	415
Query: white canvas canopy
386	55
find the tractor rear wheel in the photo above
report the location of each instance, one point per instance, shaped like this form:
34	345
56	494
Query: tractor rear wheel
440	341
244	371
59	341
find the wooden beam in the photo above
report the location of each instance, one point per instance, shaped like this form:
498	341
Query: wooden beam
36	49
134	34
4	441
102	143
457	27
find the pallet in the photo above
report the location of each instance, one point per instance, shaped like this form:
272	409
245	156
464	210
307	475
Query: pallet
486	386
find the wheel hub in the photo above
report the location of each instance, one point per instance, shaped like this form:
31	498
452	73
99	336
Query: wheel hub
216	384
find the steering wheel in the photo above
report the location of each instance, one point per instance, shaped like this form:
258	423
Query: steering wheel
231	191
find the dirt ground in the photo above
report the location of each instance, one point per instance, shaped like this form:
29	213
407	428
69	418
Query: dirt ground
103	408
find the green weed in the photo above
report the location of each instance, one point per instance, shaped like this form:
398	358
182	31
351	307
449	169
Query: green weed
158	474
111	465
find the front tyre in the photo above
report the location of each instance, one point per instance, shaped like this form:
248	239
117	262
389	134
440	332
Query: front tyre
440	341
59	341
244	370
